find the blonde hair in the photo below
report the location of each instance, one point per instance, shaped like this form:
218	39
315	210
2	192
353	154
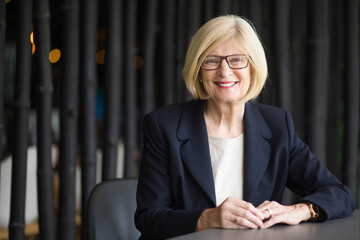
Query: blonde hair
212	34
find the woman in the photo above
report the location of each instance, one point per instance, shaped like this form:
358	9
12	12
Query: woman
221	161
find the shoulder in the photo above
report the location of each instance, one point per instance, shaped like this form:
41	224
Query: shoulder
265	109
261	115
267	112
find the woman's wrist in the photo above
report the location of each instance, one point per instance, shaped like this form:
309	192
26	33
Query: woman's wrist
304	209
202	222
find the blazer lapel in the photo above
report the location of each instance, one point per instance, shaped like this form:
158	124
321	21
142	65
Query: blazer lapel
195	148
256	150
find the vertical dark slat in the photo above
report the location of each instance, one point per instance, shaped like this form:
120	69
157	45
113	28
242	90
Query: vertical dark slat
131	123
44	106
334	100
243	8
191	11
112	94
255	15
167	53
87	101
222	7
68	117
316	76
209	9
298	19
192	18
181	46
148	97
281	56
351	133
21	119
269	93
252	10
2	73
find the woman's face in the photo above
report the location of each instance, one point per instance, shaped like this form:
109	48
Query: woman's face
226	85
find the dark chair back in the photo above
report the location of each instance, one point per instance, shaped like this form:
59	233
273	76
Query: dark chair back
110	210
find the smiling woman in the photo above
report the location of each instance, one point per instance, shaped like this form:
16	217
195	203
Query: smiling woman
222	161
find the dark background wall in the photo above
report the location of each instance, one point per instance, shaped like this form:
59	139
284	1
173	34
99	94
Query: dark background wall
122	59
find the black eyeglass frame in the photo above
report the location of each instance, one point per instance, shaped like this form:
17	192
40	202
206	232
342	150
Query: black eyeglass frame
226	59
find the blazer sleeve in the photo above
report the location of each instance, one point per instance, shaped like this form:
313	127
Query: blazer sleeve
155	216
310	179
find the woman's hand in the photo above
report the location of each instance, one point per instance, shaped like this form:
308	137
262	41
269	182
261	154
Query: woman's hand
277	213
232	214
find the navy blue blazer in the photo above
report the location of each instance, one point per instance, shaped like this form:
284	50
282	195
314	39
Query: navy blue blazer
176	183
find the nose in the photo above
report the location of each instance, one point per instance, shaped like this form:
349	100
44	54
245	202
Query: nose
224	69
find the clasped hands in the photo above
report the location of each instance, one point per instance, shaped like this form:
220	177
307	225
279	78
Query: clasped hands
234	213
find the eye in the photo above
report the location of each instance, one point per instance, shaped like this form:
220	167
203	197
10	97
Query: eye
237	59
211	60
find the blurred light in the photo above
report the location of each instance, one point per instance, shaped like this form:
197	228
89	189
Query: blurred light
54	55
7	1
139	62
33	48
32	37
100	56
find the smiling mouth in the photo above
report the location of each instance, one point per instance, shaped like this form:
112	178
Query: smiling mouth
226	84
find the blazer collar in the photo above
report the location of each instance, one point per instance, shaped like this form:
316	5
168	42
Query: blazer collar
257	150
195	148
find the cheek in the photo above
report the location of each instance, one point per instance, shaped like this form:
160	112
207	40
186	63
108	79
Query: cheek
245	78
207	81
208	87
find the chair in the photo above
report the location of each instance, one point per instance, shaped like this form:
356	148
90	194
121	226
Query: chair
110	210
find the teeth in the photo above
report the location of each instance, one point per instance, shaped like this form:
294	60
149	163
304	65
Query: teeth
226	84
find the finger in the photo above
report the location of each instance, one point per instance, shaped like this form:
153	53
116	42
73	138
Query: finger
245	210
278	215
233	211
268	214
269	209
268	205
246	217
246	223
249	207
239	207
263	205
271	222
266	210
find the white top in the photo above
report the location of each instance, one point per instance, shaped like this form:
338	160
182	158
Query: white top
227	157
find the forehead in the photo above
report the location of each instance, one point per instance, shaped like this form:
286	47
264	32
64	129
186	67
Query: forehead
228	47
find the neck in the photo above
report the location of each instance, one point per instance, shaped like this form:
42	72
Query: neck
224	120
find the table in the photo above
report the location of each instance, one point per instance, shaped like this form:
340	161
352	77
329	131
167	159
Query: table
345	228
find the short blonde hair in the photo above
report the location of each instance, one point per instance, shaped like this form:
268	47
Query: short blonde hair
212	34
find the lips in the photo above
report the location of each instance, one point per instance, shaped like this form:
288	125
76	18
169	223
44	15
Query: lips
226	84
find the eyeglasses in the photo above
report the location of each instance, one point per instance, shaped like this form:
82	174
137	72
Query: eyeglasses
237	61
